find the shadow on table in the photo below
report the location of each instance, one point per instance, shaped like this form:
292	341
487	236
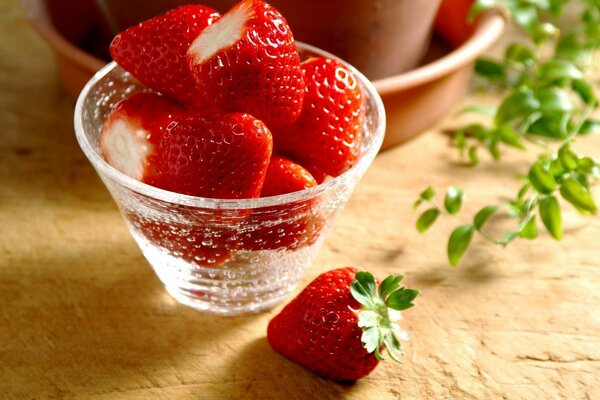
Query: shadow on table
94	318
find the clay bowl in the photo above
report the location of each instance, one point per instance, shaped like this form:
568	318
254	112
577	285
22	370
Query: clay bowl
414	100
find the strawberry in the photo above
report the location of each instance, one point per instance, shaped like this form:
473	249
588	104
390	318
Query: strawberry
218	155
338	325
327	134
132	133
247	61
285	176
298	225
154	51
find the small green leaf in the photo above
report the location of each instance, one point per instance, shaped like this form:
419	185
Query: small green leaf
492	146
556	71
508	237
551	216
489	69
541	178
417	203
575	193
402	299
389	284
584	90
473	155
427	219
567	157
459	243
367	281
428	193
588	166
519	104
361	294
554	100
547	126
557	169
543	31
483	216
453	199
590	126
529	229
518	53
523	191
509	136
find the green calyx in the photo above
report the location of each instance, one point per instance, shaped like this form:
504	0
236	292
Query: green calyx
380	311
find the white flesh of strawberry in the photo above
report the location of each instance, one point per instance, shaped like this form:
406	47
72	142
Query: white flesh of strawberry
221	35
126	147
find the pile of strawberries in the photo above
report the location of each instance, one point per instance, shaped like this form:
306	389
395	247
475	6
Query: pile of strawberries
233	113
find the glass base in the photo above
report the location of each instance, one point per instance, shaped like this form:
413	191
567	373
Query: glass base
249	282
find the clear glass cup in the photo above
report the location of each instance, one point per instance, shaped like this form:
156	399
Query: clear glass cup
216	255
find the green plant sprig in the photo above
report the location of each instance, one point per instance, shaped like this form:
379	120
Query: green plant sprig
549	100
563	174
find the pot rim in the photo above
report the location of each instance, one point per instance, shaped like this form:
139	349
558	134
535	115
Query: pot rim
489	29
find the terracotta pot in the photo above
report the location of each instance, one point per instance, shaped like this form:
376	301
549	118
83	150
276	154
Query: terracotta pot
381	38
415	100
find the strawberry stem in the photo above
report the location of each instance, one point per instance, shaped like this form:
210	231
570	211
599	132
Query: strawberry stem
380	311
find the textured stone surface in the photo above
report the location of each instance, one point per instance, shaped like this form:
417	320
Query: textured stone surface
84	316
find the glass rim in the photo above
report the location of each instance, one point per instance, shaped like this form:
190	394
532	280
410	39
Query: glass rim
103	168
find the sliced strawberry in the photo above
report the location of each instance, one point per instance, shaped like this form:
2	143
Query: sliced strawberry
285	176
247	61
218	155
339	324
154	51
132	132
327	134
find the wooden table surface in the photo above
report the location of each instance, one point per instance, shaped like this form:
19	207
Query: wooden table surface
84	316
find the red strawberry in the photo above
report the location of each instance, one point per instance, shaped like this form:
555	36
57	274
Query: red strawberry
220	155
327	134
132	133
319	175
154	51
287	226
339	323
285	176
247	61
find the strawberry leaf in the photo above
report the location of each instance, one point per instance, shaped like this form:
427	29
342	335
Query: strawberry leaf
402	299
389	285
380	311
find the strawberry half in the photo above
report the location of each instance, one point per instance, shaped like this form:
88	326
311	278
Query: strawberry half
247	61
132	132
327	134
338	325
154	51
285	176
298	225
218	155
